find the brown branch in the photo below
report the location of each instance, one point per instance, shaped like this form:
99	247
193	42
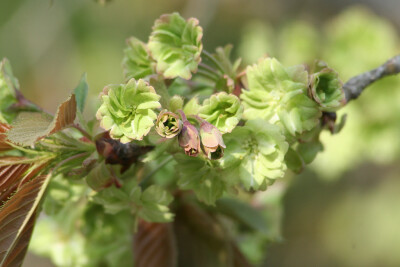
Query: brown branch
355	86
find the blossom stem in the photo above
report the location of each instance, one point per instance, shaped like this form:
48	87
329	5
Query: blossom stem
210	57
183	116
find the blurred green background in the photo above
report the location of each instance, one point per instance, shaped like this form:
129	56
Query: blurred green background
344	209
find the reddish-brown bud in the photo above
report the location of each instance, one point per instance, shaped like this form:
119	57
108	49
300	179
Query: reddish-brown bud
189	139
211	140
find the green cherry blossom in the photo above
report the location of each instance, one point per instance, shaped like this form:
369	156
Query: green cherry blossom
279	95
128	110
257	150
222	110
175	44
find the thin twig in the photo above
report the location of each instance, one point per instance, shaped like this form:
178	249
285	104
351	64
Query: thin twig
207	75
210	57
83	132
355	86
205	66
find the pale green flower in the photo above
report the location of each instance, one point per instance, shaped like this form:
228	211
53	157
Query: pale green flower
128	110
279	95
175	44
222	110
257	150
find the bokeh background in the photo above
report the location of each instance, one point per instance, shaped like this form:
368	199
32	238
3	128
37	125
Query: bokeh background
344	209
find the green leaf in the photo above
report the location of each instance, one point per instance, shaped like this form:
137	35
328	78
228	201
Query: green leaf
294	161
161	89
30	127
115	200
243	213
154	205
279	95
100	177
192	107
256	153
150	205
176	45
128	110
81	92
222	110
223	55
199	175
8	91
309	150
137	63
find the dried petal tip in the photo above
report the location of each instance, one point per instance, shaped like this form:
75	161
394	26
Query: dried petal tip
211	141
189	139
168	124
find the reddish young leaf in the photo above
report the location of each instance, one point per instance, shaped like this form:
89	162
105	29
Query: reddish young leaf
18	255
10	175
65	115
17	218
154	245
14	173
3	145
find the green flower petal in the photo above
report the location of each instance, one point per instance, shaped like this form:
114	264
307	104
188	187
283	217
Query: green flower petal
128	110
279	95
222	110
176	45
258	150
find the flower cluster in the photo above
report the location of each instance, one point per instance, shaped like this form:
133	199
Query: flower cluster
265	119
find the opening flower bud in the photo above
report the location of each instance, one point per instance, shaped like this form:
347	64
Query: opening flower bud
168	124
189	139
211	140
